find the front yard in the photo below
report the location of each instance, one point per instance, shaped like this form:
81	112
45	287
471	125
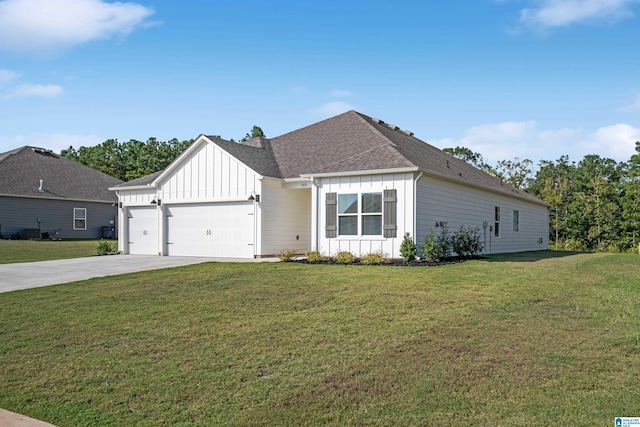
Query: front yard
12	251
533	339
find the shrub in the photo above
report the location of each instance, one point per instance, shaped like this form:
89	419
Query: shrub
431	249
408	248
374	258
16	236
287	255
466	242
104	247
315	257
437	247
345	257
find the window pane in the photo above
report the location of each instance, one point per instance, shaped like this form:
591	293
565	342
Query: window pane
348	225
372	225
497	213
372	203
496	230
347	203
516	221
79	224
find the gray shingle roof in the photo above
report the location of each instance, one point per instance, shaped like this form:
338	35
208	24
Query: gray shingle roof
352	142
256	153
22	169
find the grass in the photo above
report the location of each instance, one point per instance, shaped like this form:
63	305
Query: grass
12	251
534	339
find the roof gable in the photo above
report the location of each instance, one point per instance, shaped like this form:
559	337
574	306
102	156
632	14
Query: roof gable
22	169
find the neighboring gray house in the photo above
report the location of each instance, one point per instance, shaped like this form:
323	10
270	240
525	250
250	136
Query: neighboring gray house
348	183
43	192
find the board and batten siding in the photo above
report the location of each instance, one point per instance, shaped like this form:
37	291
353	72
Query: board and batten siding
18	213
286	218
455	204
362	245
208	174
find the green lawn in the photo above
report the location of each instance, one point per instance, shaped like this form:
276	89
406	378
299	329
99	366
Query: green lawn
12	251
538	339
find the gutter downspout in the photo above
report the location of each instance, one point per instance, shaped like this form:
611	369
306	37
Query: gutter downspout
415	207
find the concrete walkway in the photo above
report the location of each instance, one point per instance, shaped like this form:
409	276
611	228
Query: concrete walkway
11	419
14	277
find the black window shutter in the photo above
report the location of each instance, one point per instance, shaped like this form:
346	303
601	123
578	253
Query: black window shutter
331	205
390	208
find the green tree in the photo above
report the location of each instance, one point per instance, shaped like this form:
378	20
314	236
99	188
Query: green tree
517	172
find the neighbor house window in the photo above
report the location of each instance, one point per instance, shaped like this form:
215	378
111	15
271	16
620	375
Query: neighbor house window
79	219
496	224
360	214
516	220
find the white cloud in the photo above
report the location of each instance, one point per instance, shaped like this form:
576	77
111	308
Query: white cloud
634	107
47	91
42	26
504	141
55	141
560	13
7	76
333	108
339	93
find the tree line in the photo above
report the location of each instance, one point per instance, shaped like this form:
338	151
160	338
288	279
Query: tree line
134	159
595	202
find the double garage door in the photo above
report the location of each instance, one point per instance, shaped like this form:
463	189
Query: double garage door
208	230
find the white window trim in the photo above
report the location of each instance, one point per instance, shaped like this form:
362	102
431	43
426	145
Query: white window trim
359	215
497	228
75	218
516	221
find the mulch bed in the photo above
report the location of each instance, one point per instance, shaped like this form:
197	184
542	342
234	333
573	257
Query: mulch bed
394	262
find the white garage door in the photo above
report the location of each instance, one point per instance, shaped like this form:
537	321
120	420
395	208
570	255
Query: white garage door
143	230
211	230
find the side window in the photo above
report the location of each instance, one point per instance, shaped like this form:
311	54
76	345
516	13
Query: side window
79	218
372	214
496	226
348	214
516	220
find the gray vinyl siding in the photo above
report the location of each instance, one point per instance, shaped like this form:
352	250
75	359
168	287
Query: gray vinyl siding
18	213
440	201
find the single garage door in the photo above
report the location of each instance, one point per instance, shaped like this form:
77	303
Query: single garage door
211	230
143	230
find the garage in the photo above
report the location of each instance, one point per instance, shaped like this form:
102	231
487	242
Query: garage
210	230
143	230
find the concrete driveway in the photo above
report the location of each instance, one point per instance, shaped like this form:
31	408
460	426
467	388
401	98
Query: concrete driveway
14	277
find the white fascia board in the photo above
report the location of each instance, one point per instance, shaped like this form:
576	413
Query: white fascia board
133	187
363	172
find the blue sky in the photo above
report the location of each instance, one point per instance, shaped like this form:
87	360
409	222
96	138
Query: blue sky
532	79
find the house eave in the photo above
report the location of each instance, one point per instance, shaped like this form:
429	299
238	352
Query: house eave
362	172
63	199
134	187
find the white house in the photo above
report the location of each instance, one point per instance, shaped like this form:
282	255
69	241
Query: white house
350	183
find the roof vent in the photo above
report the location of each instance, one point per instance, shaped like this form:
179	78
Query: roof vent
394	127
41	188
378	121
408	132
